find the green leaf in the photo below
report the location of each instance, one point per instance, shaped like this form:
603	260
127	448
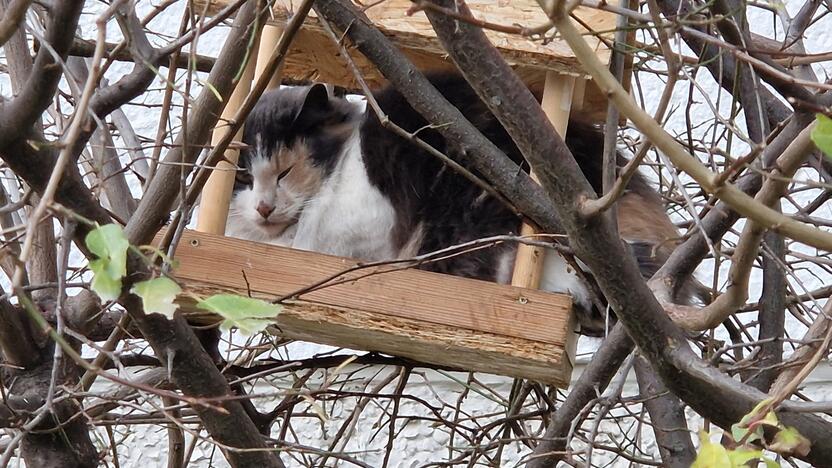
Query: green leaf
105	285
745	431
789	441
245	313
822	134
770	463
158	295
771	420
741	456
711	455
211	88
110	245
742	434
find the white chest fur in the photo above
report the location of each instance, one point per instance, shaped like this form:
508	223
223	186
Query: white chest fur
349	216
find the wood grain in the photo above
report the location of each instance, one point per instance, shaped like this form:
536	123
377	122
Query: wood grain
426	316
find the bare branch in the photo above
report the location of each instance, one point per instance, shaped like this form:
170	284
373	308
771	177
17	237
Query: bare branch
13	12
772	316
595	378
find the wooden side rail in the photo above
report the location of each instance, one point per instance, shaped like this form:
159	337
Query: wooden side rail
429	317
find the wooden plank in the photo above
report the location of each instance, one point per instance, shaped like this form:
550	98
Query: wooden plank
426	316
425	342
429	317
411	294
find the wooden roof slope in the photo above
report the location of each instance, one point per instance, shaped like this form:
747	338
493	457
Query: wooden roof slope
314	57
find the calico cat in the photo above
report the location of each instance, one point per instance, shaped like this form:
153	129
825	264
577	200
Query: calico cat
322	174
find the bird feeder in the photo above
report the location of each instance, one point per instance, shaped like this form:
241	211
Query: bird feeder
513	330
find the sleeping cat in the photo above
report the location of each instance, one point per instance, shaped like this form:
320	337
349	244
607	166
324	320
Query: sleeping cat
322	174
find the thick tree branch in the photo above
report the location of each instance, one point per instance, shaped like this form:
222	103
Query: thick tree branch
19	114
18	57
41	267
667	417
13	12
16	340
772	316
735	29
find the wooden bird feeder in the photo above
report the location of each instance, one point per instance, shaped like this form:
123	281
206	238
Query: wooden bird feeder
511	330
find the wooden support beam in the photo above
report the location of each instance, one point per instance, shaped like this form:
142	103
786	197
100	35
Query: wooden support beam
216	195
430	317
556	103
268	40
578	95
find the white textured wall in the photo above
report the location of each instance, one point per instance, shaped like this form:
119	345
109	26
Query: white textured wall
420	441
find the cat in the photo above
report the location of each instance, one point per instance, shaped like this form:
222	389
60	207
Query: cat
320	173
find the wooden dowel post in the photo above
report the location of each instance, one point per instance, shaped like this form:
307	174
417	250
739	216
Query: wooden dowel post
216	195
579	94
268	40
556	103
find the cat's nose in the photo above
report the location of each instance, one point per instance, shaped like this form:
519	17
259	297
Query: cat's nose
264	209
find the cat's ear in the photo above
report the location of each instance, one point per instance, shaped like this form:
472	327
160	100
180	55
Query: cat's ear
317	98
315	101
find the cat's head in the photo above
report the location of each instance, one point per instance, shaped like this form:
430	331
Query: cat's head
294	137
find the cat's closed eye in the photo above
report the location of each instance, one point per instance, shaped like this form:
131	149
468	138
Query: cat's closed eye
284	173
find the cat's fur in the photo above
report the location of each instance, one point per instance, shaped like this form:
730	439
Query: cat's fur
320	174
